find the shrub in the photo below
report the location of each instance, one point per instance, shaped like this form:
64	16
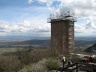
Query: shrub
9	64
1	67
27	56
52	64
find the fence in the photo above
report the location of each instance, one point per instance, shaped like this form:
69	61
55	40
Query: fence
89	67
70	68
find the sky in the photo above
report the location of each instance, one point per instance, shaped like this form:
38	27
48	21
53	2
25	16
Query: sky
29	17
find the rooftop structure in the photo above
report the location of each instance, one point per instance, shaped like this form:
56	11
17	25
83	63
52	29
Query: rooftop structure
61	16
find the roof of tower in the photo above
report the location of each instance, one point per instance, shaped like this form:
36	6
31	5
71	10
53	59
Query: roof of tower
68	16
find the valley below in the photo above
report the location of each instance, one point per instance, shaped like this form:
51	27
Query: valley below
33	54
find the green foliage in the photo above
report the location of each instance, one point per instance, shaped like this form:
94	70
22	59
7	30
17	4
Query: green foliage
26	56
52	64
1	67
9	64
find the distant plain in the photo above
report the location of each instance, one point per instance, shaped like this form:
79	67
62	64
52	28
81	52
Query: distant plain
11	44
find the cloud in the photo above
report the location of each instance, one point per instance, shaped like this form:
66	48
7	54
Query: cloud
87	28
45	28
34	23
85	8
44	1
29	1
33	19
24	27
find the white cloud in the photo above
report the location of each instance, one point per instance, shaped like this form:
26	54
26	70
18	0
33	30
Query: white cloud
30	1
85	9
88	28
44	1
24	27
36	22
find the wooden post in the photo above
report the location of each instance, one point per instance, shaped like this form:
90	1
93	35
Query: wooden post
61	70
93	68
63	63
77	67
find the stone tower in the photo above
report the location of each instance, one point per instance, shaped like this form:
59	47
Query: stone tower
62	33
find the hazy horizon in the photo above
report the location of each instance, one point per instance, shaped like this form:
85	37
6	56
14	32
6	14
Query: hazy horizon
13	38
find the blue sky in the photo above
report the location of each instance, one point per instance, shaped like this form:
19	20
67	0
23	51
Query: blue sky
29	17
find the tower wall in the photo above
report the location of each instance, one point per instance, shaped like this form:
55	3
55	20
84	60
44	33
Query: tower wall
62	36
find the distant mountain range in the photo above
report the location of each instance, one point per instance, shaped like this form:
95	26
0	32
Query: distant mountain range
17	42
22	38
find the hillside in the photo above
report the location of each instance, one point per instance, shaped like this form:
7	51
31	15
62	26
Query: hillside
91	49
